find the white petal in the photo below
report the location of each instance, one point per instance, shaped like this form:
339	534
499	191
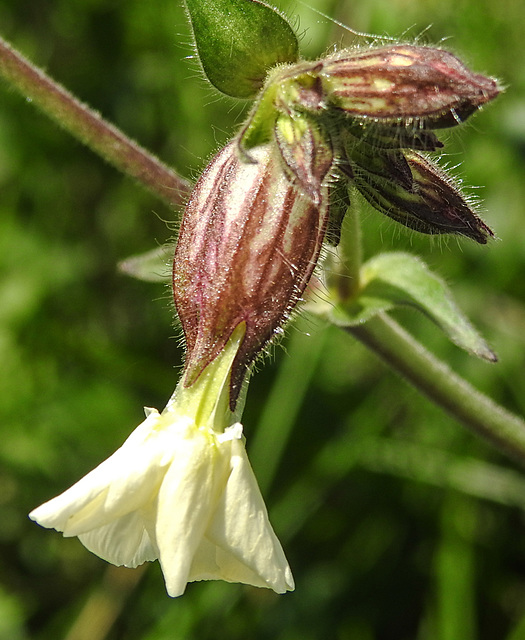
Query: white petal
187	500
117	486
240	544
123	542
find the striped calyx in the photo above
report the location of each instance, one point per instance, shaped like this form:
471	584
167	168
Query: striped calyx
405	82
247	247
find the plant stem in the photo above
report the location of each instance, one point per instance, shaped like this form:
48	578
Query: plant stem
440	384
90	128
345	277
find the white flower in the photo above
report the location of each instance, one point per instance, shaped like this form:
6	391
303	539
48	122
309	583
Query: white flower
181	491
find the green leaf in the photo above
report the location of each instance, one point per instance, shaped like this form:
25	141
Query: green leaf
392	279
238	41
152	266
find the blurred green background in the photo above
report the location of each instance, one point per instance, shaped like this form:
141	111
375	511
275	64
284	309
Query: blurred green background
398	523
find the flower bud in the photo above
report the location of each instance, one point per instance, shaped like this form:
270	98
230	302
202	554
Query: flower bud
412	190
405	81
247	247
383	164
306	152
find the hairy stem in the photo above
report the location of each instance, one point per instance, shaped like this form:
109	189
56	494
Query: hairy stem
90	128
351	252
440	384
343	274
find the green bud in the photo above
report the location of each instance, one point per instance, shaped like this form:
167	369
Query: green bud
306	152
238	41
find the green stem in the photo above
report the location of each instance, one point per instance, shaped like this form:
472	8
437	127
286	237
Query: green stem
346	277
440	384
87	126
455	569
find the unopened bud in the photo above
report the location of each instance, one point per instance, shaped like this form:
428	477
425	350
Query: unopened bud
247	247
306	152
405	81
424	199
383	164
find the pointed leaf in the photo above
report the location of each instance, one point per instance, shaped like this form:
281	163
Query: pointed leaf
238	41
152	266
393	279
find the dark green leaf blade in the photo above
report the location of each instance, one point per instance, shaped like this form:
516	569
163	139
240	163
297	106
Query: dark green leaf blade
238	41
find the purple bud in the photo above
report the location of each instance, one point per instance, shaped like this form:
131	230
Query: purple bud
414	191
405	82
247	247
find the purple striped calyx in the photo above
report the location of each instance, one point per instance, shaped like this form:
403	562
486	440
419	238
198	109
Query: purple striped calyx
248	244
405	82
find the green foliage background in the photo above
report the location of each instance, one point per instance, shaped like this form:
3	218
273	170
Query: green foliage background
398	523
